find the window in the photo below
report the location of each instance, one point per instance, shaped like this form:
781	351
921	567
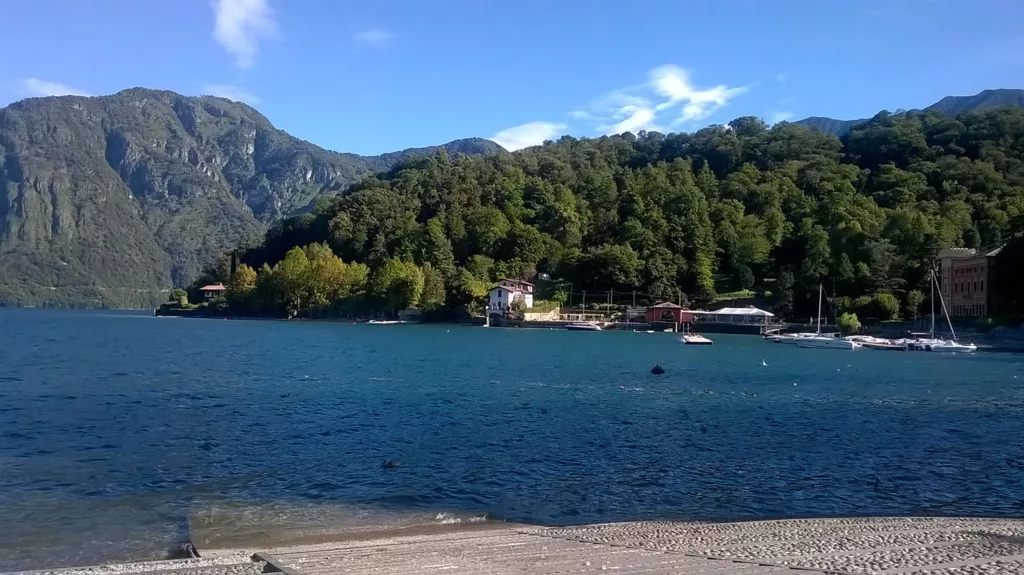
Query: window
982	285
975	286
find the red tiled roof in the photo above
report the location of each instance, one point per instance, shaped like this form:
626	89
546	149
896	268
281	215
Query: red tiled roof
213	287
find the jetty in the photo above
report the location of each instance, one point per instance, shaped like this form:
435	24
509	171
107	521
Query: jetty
886	546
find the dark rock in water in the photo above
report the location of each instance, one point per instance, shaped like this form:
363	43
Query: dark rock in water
186	550
390	464
657	370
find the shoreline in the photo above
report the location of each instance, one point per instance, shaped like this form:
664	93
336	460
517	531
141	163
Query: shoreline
886	545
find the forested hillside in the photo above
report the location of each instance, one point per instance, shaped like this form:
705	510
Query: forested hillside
106	201
777	209
951	106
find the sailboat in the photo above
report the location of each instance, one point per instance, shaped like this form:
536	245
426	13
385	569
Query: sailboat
819	341
937	344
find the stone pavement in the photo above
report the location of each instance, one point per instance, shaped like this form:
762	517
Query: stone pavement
889	546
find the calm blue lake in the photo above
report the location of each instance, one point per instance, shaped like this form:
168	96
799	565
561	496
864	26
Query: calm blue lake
122	434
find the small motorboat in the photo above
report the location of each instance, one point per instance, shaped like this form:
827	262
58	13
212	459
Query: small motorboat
657	369
583	326
696	339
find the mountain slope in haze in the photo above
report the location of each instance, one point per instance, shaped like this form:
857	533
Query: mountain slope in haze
950	106
107	200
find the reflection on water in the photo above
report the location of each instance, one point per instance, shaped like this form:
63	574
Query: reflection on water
120	435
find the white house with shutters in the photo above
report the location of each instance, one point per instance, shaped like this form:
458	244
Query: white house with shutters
508	291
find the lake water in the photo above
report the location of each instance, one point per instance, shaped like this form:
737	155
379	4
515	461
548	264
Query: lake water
122	434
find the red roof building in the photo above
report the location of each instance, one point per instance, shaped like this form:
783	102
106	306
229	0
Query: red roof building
213	290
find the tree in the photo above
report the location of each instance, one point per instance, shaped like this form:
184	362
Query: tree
178	297
241	287
290	280
888	306
914	300
517	308
433	296
397	285
782	293
848	323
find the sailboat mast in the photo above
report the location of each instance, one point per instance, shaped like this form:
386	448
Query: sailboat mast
945	313
819	309
932	283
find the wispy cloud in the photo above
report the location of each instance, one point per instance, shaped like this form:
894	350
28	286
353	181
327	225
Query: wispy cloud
673	82
240	27
777	117
230	92
37	87
780	78
374	38
668	95
526	135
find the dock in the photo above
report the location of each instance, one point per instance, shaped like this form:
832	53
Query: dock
886	546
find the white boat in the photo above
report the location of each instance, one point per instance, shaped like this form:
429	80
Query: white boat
870	342
696	339
822	341
933	343
384	321
583	326
825	342
793	338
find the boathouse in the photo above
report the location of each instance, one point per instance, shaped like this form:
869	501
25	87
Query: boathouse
668	312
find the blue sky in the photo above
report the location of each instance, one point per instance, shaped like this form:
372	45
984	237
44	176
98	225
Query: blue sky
372	77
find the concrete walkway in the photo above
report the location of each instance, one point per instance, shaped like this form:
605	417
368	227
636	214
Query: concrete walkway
890	546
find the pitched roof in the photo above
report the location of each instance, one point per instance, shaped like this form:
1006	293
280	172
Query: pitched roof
751	310
666	304
523	282
213	287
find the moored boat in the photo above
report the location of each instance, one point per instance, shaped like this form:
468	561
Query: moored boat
696	339
870	342
826	341
583	326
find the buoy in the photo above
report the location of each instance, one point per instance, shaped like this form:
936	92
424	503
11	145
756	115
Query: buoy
657	370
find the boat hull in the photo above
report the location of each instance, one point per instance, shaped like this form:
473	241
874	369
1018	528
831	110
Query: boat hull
827	343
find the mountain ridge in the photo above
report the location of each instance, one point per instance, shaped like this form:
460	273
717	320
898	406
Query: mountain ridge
151	182
950	106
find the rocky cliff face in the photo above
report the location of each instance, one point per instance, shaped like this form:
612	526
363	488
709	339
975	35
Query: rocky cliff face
108	200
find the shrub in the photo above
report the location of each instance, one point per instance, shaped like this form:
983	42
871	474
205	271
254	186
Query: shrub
848	323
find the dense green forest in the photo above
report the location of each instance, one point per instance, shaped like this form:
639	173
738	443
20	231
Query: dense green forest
746	206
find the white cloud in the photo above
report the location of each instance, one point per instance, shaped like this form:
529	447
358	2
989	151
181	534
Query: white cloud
667	93
37	87
780	78
673	83
777	117
240	27
631	119
375	38
532	134
230	92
